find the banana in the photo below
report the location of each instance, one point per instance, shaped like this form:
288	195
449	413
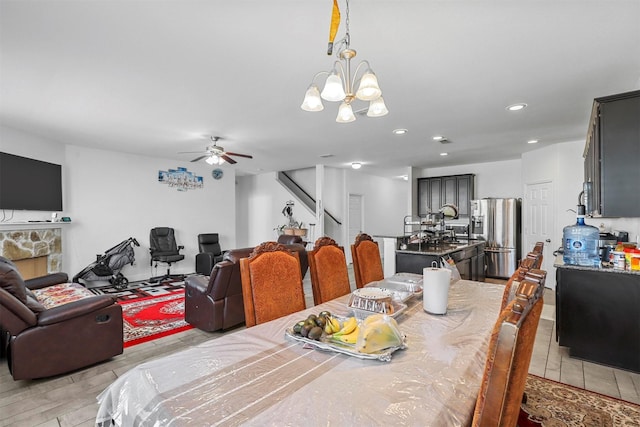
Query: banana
347	327
332	326
335	324
350	338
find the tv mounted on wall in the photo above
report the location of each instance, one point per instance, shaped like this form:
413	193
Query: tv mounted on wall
29	184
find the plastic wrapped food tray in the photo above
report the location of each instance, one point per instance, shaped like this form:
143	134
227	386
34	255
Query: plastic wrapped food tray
348	349
373	299
398	309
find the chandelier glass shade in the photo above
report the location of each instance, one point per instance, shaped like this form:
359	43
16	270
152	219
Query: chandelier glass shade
340	83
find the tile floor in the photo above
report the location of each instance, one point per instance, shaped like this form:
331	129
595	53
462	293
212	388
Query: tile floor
70	400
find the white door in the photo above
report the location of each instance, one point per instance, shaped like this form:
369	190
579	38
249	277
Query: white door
355	222
538	209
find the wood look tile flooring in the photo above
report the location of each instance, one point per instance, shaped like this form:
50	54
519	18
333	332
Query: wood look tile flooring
70	400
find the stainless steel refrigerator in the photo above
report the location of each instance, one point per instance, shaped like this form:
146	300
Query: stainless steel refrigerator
498	222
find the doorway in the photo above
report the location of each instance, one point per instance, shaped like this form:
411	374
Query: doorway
355	222
539	209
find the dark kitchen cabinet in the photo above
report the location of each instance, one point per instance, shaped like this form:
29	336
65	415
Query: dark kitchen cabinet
597	315
469	260
435	192
612	156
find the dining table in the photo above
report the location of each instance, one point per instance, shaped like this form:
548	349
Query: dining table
260	376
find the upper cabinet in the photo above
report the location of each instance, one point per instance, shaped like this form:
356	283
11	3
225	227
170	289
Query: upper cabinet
612	156
435	192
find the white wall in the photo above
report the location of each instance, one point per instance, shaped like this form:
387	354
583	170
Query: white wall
384	203
263	199
111	196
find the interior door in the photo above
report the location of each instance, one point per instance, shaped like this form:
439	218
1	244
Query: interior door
538	208
355	222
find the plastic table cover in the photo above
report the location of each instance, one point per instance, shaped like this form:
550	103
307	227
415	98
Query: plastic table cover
256	377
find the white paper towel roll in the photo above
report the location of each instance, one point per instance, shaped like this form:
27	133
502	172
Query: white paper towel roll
435	285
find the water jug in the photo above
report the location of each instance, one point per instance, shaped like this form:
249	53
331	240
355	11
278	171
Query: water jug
580	242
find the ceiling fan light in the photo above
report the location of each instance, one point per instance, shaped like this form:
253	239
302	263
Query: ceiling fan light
377	108
312	101
333	90
212	160
368	89
345	114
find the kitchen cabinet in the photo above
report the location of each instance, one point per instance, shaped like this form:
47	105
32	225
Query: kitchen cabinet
435	192
612	156
597	315
469	260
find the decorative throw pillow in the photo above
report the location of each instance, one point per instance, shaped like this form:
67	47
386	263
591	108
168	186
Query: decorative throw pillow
11	280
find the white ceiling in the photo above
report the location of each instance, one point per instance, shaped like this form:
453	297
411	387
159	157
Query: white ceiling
159	77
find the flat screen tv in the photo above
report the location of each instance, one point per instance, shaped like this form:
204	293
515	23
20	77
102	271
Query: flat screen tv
29	184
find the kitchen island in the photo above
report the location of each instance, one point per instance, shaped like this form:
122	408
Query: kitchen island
468	256
597	314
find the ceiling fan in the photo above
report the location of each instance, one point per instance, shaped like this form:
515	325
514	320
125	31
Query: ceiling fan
215	154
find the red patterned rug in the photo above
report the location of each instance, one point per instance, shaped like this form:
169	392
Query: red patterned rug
152	317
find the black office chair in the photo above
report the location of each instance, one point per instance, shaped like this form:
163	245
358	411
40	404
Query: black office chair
210	253
164	249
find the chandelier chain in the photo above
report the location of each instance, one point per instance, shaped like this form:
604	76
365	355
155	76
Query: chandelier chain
345	42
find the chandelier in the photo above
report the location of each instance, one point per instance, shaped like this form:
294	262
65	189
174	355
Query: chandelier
340	83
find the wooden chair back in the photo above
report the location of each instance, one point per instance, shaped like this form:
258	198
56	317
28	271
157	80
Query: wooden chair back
508	358
329	275
367	264
271	283
532	261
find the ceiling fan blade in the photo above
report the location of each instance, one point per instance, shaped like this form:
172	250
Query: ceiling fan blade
239	155
199	158
228	159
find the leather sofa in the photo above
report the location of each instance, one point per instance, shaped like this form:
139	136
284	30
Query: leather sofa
41	342
215	302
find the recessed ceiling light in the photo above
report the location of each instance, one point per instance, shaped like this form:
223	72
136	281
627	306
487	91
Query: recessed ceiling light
438	138
532	141
356	165
444	154
400	131
516	107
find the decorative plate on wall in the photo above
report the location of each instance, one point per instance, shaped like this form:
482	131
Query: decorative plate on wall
217	173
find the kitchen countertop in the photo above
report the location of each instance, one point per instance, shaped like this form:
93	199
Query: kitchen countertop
559	263
442	250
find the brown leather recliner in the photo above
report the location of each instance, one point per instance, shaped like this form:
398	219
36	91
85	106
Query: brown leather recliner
44	342
215	303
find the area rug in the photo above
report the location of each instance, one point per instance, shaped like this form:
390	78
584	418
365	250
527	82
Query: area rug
149	310
137	290
552	404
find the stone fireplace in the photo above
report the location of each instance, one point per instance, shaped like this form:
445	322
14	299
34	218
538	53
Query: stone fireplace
32	246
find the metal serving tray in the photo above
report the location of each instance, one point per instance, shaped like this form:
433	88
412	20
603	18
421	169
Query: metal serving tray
348	349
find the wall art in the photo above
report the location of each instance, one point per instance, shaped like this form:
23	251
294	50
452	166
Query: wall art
180	179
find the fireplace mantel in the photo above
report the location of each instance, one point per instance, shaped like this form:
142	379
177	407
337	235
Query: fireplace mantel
26	240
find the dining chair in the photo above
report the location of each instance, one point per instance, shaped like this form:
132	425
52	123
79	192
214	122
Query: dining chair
328	266
367	264
526	264
271	283
507	362
536	254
